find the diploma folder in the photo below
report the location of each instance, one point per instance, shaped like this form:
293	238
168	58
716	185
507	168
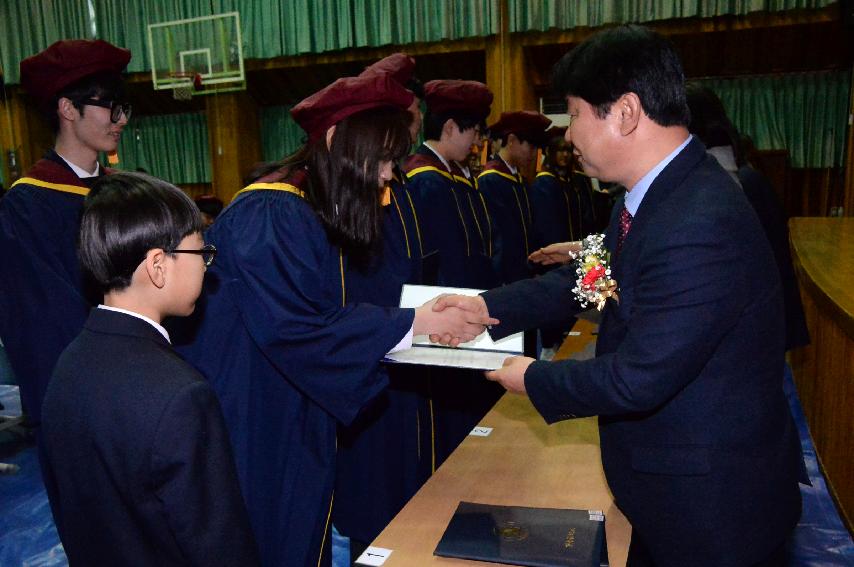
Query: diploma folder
515	535
480	354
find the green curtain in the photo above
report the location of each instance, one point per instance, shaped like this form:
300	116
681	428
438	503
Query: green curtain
270	28
280	135
805	113
173	147
125	22
542	15
290	27
27	27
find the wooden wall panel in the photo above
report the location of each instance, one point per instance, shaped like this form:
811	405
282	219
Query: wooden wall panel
24	129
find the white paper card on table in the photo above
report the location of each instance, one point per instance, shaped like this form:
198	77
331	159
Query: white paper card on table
480	354
481	431
374	556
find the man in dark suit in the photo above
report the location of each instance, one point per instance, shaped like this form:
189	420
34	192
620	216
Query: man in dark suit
698	446
138	463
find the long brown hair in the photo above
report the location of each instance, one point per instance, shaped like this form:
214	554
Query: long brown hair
342	186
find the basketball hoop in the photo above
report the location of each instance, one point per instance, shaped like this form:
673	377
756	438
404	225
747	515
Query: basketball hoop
197	56
184	85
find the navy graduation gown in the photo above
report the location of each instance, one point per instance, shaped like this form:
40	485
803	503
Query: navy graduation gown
510	212
556	210
387	453
565	209
552	211
460	397
290	357
447	223
477	217
43	303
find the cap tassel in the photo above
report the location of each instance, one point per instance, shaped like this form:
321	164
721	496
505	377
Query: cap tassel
113	158
484	153
539	160
385	198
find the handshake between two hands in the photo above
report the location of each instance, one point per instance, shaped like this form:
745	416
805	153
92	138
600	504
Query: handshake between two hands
452	319
455	319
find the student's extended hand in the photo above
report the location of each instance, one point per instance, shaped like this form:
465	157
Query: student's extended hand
474	306
557	253
512	374
451	323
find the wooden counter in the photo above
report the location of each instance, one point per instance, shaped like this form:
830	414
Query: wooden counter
523	462
823	255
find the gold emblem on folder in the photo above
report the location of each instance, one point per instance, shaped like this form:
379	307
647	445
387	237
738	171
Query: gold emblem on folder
511	531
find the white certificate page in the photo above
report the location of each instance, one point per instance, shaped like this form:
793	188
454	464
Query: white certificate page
480	354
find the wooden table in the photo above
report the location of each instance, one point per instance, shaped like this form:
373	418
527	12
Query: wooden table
523	462
823	256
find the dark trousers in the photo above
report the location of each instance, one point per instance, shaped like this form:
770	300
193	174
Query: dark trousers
639	556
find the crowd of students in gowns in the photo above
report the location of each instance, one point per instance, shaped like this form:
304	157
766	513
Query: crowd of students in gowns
301	305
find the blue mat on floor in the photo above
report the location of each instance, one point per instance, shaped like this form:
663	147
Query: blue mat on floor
821	539
28	536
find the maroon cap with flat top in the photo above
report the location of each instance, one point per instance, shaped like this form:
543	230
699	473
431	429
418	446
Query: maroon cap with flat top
467	97
526	124
46	74
345	97
399	66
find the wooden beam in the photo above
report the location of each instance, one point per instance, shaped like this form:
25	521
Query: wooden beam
693	25
234	137
366	54
848	158
507	72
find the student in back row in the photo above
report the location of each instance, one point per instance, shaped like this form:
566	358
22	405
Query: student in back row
138	464
77	84
506	192
452	224
564	205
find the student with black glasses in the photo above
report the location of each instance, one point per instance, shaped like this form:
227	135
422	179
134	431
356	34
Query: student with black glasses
138	464
43	303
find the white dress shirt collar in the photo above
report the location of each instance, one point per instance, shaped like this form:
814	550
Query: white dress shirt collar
510	167
151	322
79	171
635	195
438	155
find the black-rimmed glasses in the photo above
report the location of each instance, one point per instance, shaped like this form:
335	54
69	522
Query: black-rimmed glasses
207	252
116	108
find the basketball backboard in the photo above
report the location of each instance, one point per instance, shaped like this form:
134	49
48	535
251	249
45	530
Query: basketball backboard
197	55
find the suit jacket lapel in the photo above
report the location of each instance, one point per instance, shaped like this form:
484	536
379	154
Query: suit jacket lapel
668	181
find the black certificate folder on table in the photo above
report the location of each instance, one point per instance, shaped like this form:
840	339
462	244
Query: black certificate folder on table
480	354
515	535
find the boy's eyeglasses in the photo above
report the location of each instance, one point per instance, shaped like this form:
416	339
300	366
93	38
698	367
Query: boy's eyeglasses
207	252
116	108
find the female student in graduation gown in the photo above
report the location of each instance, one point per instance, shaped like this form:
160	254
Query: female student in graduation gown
288	355
388	452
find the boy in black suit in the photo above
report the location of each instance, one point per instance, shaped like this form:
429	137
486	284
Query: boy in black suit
139	468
